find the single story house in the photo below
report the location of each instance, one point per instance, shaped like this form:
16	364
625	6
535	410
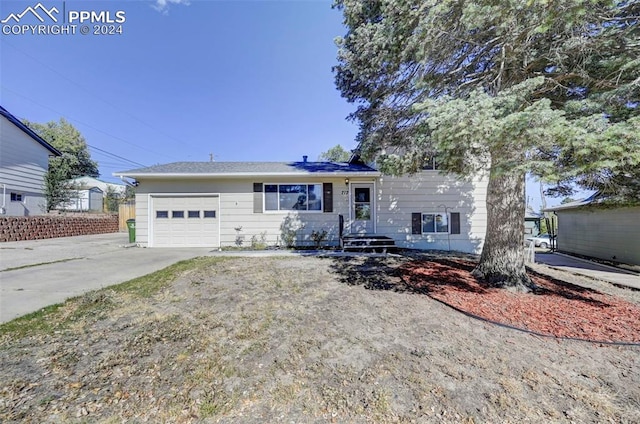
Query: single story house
24	161
85	199
222	204
589	228
104	186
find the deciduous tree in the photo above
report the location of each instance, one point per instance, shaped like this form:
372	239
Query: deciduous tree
75	160
335	154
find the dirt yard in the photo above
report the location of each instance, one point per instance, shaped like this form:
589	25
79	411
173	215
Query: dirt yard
304	340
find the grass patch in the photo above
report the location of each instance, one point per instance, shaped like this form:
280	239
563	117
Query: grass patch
148	285
93	304
40	321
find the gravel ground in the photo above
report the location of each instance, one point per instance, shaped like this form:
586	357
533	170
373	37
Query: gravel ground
303	340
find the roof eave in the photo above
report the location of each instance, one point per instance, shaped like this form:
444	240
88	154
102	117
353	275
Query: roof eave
247	174
28	131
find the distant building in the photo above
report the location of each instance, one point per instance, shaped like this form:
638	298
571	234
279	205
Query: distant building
102	185
532	223
589	228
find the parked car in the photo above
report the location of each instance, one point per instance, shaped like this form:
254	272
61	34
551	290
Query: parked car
541	240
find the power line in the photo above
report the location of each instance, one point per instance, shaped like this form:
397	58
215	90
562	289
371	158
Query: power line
116	156
83	123
119	109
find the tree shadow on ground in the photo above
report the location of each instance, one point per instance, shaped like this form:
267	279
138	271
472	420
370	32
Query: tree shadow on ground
373	273
549	286
430	274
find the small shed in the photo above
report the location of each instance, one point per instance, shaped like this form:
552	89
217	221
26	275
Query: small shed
593	228
85	199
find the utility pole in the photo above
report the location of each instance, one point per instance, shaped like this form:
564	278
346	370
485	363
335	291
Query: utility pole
542	196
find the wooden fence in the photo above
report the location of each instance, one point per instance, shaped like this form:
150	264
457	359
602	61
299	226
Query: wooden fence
126	211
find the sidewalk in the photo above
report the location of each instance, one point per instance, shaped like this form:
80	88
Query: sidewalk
590	269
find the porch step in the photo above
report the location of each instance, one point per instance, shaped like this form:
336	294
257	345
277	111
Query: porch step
367	242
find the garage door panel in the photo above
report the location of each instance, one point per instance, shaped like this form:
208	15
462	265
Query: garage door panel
190	226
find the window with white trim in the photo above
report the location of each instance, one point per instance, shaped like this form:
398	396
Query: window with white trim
17	197
433	223
293	197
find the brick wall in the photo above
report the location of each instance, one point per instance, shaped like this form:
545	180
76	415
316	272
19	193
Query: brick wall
42	227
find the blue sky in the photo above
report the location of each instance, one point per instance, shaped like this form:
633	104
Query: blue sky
243	80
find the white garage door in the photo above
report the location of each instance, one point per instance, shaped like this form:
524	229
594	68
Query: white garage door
186	221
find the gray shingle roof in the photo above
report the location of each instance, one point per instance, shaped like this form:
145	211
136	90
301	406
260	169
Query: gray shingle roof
247	168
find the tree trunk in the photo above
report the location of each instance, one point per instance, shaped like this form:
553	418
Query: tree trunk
502	260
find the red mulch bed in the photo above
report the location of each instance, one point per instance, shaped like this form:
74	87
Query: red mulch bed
559	309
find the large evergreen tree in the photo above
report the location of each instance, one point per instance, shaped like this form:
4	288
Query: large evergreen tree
509	87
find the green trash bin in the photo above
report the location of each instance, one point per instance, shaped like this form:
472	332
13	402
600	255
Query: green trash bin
131	225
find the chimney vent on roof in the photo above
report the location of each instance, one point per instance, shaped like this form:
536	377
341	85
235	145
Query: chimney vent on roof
304	158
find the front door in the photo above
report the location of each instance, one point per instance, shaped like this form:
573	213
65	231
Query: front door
362	209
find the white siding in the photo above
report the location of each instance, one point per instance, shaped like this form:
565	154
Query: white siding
396	198
611	234
429	191
23	163
236	209
142	217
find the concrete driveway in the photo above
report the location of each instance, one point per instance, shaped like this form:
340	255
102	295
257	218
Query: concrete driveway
38	273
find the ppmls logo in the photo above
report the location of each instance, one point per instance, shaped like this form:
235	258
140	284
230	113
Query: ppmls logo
40	20
33	11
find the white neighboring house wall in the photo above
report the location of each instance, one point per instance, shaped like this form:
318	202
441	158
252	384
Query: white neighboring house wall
84	200
23	164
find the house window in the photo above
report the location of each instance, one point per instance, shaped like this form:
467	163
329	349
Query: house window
162	214
293	197
431	164
362	205
177	214
17	197
435	223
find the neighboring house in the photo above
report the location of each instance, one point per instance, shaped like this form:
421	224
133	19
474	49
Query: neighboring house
532	223
85	199
24	160
222	204
104	186
587	227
